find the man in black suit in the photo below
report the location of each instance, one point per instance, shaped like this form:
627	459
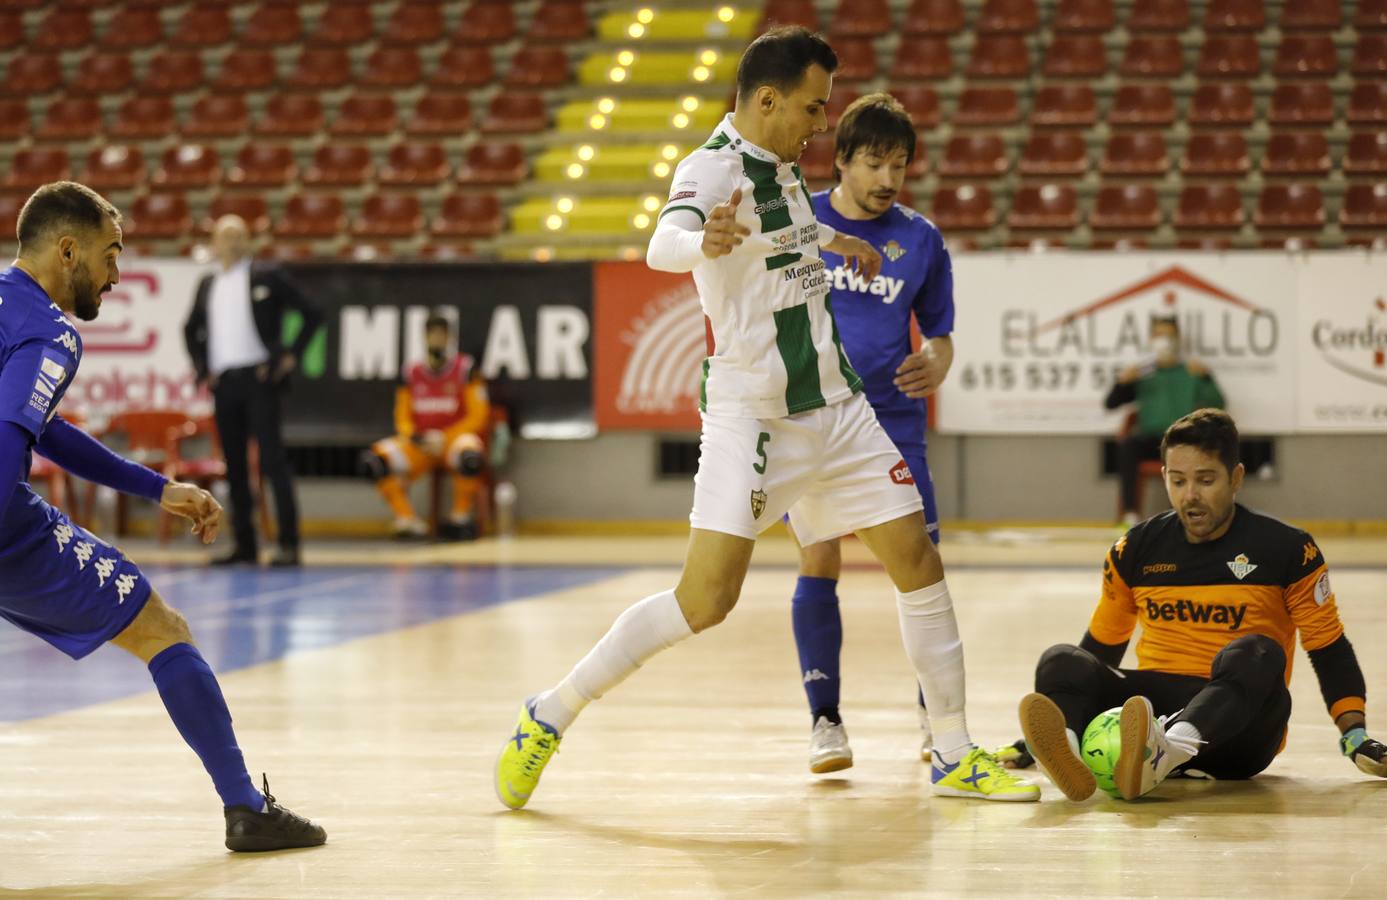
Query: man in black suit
234	337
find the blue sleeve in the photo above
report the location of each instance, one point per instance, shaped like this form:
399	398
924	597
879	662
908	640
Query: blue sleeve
934	304
89	459
14	446
30	378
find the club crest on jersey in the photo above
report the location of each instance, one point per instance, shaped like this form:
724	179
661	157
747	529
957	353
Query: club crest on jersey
758	503
1240	567
893	251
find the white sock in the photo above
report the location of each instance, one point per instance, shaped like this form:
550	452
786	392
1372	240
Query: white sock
930	633
1184	741
1073	742
645	629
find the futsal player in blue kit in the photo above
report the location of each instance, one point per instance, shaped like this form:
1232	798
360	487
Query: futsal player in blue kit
873	145
59	581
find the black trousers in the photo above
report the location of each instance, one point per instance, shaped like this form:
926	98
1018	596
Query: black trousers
1131	452
247	407
1241	710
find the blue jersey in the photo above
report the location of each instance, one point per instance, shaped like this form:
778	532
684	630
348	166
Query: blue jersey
874	317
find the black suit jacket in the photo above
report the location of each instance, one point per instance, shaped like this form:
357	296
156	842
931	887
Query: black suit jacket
272	294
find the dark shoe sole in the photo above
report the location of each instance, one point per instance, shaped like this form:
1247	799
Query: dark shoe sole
1042	723
261	844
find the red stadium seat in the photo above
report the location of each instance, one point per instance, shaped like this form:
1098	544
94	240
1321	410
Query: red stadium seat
1370	56
1369	15
173	72
965	207
1302	55
861	18
444	115
33	73
491	163
365	115
246	69
273	25
1000	56
10	205
189	167
291	115
311	216
933	17
1216	154
987	107
1367	103
1126	207
217	116
144	118
391	215
518	113
11	31
1307	103
789	12
1366	154
1229	56
1234	15
922	59
816	162
560	22
36	166
839	101
468	216
487	22
1142	105
252	208
463	68
1209	206
1311	15
114	167
1047	207
262	165
392	68
1084	15
1008	16
1153	56
1055	154
414	163
1076	56
1159	15
320	69
161	216
538	67
920	101
1222	105
339	165
1365	206
344	24
133	28
415	23
1298	206
1065	106
62	29
202	25
1136	153
14	119
103	73
447	251
1296	154
974	156
68	119
857	60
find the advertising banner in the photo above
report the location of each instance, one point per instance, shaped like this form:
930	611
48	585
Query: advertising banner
1342	339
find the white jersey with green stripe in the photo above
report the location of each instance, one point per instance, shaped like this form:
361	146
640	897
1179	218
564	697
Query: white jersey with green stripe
776	350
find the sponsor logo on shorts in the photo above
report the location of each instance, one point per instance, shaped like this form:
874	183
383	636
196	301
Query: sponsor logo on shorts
1189	611
900	473
1241	567
758	503
1158	569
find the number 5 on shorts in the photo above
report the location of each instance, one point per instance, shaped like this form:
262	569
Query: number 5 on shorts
761	452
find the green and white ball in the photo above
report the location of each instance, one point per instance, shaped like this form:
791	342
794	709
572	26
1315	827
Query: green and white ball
1100	746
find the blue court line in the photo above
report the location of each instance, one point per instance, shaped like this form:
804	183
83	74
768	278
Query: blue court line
244	617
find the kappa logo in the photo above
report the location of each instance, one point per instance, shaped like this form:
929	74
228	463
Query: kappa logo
1120	546
104	567
63	534
124	585
83	550
758	503
1158	568
893	251
1311	551
900	473
1240	567
815	675
68	340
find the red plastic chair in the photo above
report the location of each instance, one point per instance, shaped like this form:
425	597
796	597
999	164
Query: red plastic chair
491	163
1000	56
1143	105
1153	56
66	119
147	437
1234	15
1126	207
339	165
1367	103
1366	154
1302	104
133	28
1306	56
1159	15
1209	207
440	115
463	68
414	164
1055	154
487	23
468	216
1067	106
1136	153
1216	154
1296	154
1076	56
966	207
217	116
60	485
933	17
1008	16
392	68
1229	56
344	24
560	22
246	69
922	58
861	19
415	23
1311	15
1044	207
974	156
987	107
1084	15
1222	105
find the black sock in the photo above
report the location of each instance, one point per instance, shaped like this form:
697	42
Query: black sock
828	712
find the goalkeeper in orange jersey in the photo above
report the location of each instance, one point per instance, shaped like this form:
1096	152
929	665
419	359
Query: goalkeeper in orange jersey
1222	592
441	416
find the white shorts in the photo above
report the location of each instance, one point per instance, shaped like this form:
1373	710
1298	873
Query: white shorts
833	469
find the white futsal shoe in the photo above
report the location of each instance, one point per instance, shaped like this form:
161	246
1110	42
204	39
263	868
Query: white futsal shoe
828	747
1145	759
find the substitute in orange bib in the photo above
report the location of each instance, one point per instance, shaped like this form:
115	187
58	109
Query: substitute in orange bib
441	416
1221	592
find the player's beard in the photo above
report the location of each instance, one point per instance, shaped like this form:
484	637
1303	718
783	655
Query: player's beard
1213	519
86	299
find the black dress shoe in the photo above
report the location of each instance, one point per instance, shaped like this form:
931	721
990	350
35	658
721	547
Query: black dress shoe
237	558
250	831
285	558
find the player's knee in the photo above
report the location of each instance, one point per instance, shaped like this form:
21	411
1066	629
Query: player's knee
372	465
465	456
821	560
1253	655
1063	664
704	608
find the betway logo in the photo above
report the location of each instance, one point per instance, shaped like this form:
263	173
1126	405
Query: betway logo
1189	611
883	286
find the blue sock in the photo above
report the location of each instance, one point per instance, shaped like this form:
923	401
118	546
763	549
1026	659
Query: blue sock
819	638
194	700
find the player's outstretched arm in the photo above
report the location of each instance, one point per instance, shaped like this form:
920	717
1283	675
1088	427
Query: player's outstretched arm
861	256
192	502
89	459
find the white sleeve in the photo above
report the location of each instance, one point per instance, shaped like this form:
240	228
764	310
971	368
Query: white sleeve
677	244
701	181
826	234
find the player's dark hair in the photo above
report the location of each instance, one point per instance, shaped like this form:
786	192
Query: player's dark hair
436	319
63	206
780	57
1172	321
875	123
1211	430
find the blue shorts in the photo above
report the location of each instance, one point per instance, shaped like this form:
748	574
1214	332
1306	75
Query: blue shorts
907	431
63	583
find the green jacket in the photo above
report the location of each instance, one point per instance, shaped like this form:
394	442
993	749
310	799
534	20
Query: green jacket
1164	395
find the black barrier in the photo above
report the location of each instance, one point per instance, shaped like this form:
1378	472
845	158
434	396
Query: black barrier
529	327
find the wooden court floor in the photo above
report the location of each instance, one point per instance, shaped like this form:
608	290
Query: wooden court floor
377	696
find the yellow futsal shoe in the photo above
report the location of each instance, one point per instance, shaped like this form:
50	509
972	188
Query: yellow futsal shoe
979	775
523	759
